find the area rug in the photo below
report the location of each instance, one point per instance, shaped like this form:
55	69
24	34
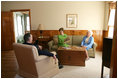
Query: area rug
91	70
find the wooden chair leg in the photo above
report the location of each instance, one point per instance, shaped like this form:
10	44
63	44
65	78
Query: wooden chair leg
102	70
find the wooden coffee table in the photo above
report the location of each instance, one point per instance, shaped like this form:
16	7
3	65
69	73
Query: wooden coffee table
72	56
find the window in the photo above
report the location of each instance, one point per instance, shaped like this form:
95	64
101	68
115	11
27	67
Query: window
19	24
28	24
111	23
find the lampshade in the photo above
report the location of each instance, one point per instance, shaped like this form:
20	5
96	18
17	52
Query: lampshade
40	27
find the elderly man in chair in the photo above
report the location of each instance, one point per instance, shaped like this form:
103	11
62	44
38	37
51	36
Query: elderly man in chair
28	40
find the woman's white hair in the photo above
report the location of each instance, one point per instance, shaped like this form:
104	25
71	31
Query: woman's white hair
90	31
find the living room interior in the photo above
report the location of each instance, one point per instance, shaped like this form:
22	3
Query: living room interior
43	19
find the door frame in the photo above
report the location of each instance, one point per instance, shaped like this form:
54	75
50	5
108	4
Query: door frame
17	10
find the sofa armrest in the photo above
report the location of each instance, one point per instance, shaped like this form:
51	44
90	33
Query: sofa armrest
53	52
94	46
50	44
40	58
67	40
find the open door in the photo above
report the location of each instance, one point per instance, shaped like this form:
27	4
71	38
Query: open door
11	33
7	31
22	23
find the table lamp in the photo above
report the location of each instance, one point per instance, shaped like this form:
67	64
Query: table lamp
40	27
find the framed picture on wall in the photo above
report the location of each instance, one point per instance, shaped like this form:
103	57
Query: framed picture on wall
71	20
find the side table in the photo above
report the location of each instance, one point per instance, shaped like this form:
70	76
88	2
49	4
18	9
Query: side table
43	41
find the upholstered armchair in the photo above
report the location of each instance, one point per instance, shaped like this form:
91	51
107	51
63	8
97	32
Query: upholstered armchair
31	64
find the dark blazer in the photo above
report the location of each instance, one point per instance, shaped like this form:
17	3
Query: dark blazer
40	52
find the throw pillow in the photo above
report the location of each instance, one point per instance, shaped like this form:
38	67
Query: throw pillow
55	40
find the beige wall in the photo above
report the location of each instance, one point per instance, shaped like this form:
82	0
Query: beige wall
53	14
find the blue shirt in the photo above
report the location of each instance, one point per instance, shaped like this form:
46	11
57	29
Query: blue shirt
89	44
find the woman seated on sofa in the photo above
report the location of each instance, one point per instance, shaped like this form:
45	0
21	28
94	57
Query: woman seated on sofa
63	38
87	42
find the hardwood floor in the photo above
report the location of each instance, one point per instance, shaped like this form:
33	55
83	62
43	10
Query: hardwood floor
8	64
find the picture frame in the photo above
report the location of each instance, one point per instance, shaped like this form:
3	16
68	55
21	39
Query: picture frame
71	20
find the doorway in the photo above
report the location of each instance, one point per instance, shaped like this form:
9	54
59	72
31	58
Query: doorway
22	24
